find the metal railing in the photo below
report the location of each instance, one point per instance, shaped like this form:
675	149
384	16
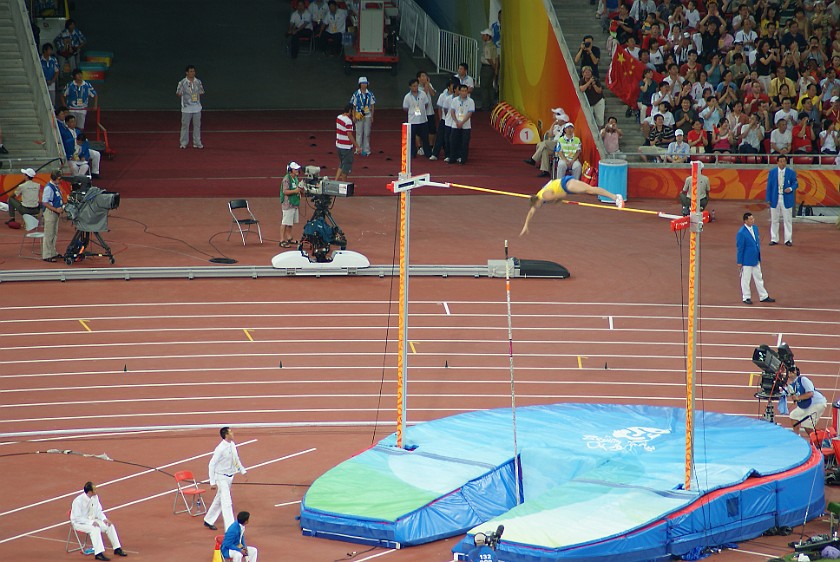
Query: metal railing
35	78
445	49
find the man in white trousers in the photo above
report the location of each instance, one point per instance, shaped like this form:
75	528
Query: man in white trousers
87	516
781	194
224	465
749	260
190	89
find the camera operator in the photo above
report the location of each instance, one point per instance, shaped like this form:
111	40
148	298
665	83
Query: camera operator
810	403
290	192
588	55
481	552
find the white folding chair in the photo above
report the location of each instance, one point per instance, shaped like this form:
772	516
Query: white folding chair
34	231
74	538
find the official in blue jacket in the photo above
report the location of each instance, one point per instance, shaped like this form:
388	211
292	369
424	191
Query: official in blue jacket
749	260
781	188
233	545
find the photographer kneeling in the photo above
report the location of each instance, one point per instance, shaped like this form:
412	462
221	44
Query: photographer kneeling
290	192
481	552
810	404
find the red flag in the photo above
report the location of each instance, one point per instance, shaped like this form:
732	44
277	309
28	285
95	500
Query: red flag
625	74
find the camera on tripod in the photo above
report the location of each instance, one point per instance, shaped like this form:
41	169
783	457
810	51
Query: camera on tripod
776	367
321	230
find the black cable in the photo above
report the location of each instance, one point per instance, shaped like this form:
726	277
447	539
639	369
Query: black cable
352	555
387	323
139	465
147	231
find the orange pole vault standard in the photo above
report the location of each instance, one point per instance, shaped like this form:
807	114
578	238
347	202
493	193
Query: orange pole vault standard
696	225
402	352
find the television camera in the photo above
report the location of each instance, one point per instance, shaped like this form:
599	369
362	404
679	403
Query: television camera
321	230
87	208
776	367
492	538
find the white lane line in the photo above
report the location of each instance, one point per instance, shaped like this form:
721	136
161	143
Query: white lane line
446	308
103	484
282	458
372	556
765	556
141	500
286	503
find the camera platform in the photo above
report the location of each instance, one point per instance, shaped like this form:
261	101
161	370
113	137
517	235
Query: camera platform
341	262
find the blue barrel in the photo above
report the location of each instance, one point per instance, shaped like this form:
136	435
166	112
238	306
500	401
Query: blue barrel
612	176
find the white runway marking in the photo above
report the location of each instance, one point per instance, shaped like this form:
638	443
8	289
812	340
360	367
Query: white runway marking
446	308
287	503
103	484
779	340
611	322
377	555
141	500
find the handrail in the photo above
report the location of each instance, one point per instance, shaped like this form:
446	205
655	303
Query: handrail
734	159
445	49
35	77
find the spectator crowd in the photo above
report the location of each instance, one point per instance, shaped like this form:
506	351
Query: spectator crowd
751	77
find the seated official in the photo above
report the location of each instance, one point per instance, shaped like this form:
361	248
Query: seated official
332	29
702	193
25	199
546	147
300	27
86	516
233	545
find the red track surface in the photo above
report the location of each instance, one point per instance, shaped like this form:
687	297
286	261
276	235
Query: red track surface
176	353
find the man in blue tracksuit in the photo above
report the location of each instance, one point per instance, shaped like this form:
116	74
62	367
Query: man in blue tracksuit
233	545
781	194
749	260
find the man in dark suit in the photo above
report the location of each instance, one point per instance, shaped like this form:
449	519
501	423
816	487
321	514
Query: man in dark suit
781	185
749	260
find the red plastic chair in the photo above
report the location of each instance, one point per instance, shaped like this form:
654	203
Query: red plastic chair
187	486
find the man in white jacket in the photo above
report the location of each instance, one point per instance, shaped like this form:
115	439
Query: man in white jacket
87	516
224	465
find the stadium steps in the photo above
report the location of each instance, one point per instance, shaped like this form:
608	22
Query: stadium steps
581	17
23	134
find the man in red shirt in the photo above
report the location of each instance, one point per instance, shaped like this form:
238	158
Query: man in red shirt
345	142
754	97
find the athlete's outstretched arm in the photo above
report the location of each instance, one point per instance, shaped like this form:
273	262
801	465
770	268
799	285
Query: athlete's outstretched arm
535	202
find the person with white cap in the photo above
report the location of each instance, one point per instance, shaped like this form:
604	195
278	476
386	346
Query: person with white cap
557	190
290	192
545	148
568	152
489	69
678	150
482	552
25	199
363	102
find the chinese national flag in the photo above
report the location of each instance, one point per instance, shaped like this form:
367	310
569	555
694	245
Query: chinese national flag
624	76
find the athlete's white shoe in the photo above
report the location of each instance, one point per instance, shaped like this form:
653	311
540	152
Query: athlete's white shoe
619	201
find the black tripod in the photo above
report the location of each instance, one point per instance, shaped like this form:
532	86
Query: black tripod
321	230
79	248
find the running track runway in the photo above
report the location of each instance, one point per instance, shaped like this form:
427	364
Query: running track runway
146	372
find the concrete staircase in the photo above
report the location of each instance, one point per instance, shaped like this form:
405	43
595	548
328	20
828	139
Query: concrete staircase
577	18
27	132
